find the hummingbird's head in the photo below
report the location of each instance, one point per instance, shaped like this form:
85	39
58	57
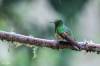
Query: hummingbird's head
58	22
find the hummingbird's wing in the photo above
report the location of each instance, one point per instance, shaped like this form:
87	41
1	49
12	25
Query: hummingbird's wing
65	33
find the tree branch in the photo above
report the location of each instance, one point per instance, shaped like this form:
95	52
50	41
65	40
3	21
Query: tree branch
13	37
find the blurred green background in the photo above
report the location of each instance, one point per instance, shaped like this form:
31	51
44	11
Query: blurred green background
33	17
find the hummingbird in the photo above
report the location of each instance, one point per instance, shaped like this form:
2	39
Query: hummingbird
64	33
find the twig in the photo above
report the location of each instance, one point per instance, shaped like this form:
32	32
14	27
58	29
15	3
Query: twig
13	37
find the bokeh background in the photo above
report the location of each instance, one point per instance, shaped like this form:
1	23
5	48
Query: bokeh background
33	17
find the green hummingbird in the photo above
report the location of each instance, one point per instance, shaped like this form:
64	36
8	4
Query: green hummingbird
64	33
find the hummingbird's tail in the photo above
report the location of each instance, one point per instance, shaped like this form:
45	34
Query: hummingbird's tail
71	40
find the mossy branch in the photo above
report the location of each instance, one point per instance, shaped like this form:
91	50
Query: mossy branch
13	37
